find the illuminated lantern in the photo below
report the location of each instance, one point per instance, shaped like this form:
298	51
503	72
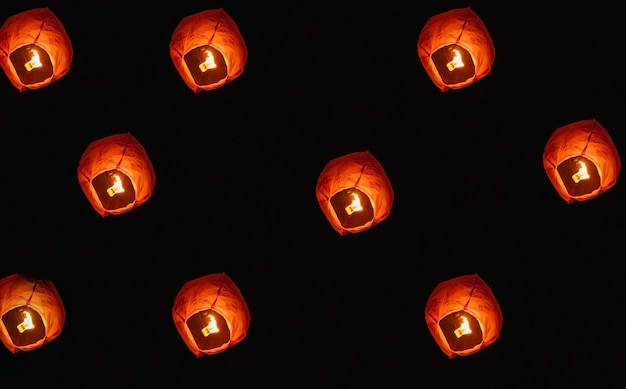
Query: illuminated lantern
456	49
354	192
32	313
581	160
116	174
35	50
210	314
463	315
208	50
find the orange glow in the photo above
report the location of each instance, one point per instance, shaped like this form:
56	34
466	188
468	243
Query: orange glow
209	62
355	206
464	329
116	187
34	62
582	173
27	324
457	61
211	327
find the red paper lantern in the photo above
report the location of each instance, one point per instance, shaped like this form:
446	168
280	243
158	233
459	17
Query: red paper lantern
581	160
208	50
456	49
354	192
31	312
35	50
211	314
116	174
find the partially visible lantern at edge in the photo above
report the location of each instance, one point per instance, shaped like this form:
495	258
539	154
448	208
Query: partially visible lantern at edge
456	49
35	49
354	192
581	160
211	314
31	312
208	50
116	174
463	315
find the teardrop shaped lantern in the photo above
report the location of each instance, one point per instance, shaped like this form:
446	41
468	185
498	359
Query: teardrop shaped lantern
211	314
463	315
31	312
456	49
354	192
116	174
208	50
35	49
581	160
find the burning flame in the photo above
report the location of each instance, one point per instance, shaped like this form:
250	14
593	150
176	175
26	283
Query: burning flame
27	324
464	329
34	62
116	187
457	61
211	328
209	62
581	174
355	206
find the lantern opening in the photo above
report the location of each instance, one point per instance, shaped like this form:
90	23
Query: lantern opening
206	65
454	64
353	208
24	325
209	329
114	189
32	64
461	330
580	176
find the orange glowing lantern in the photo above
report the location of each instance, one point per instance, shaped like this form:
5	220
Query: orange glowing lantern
211	314
116	174
35	50
32	313
354	192
581	160
463	315
456	49
208	50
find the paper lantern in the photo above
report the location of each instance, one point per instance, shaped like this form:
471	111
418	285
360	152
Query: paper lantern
35	50
32	313
463	315
354	192
211	314
116	174
581	160
456	49
208	50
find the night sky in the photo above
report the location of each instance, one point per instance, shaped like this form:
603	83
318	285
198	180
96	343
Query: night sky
236	169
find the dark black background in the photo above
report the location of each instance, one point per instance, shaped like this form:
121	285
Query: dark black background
236	171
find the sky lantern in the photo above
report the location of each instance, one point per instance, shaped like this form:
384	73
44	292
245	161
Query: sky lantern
208	50
116	174
35	50
463	315
211	314
581	160
456	49
354	192
32	313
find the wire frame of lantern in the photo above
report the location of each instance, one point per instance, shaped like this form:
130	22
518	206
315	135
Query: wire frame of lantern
211	314
35	49
116	174
463	315
31	313
208	50
581	160
455	49
354	192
